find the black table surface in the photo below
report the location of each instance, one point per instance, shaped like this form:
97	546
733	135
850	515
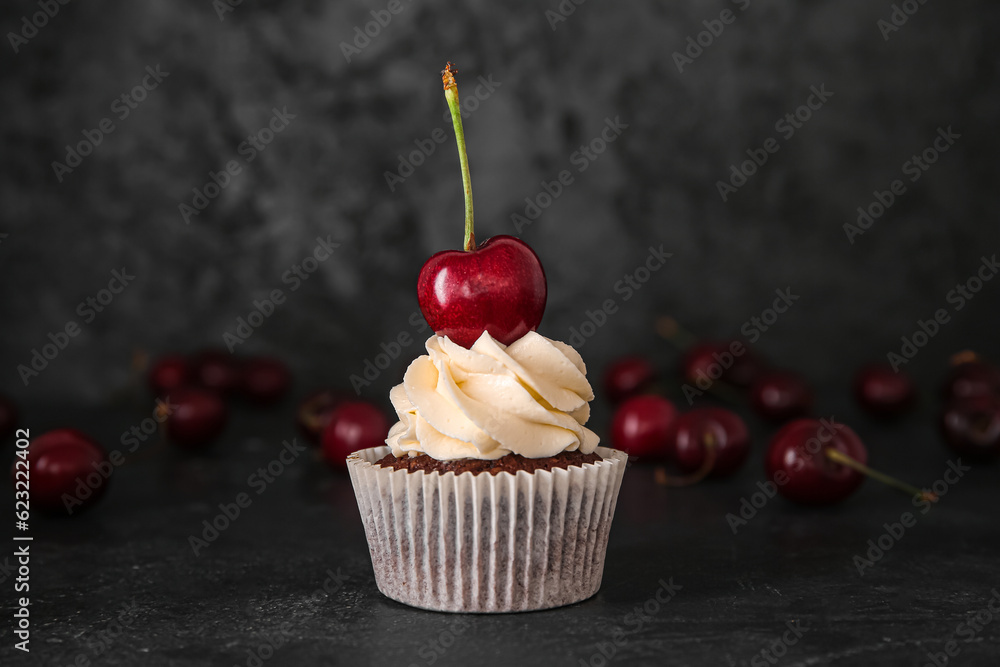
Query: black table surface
289	581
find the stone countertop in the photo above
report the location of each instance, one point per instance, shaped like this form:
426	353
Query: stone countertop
289	581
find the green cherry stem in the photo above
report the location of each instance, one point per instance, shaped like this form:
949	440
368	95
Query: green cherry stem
451	95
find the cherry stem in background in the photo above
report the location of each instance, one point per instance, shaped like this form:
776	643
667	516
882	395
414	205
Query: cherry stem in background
668	328
711	454
840	457
451	95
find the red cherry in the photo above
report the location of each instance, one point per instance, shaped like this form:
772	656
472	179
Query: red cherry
714	360
642	427
781	395
353	426
196	417
882	391
798	464
711	427
972	426
264	381
628	377
168	373
499	287
8	417
315	411
216	370
64	462
971	379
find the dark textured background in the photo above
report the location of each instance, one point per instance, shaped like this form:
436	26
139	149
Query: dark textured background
324	175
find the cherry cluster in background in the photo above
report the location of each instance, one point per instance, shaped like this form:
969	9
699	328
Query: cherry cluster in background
810	461
70	471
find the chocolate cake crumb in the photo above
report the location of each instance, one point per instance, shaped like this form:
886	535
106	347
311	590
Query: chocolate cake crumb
510	463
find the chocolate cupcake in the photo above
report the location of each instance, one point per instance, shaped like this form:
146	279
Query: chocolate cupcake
491	495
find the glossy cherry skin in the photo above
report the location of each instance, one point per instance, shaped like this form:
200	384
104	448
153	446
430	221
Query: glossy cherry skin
795	462
65	462
724	427
971	380
781	395
8	417
499	287
196	418
170	372
882	391
972	426
353	426
627	377
642	426
264	381
715	360
217	370
315	410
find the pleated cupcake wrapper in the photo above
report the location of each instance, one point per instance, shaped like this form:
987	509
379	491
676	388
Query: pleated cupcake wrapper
487	543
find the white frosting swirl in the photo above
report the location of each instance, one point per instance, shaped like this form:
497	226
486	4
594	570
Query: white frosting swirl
528	398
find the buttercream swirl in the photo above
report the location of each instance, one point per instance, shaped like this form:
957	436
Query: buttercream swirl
528	398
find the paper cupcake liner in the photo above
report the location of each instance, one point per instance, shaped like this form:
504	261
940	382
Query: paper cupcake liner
487	543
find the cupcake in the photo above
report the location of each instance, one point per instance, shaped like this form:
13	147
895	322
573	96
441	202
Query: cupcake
491	494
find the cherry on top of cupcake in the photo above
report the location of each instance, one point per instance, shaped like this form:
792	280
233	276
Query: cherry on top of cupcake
497	286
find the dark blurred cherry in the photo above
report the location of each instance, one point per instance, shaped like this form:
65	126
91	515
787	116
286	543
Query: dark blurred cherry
315	411
196	418
882	391
700	430
714	360
628	377
970	377
642	426
68	471
217	370
797	462
971	426
8	417
781	395
170	372
353	426
264	381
